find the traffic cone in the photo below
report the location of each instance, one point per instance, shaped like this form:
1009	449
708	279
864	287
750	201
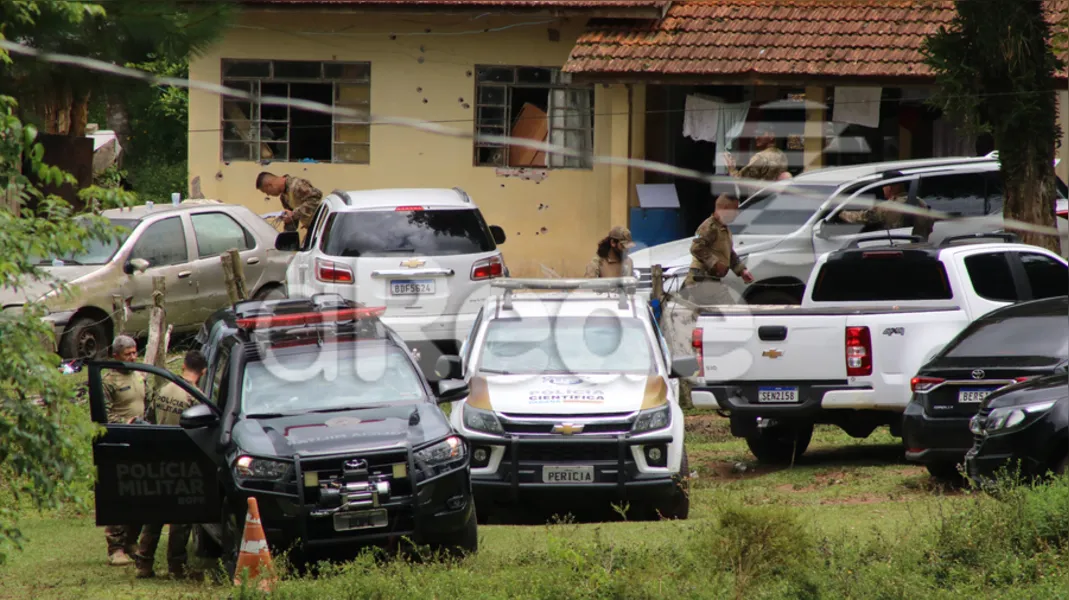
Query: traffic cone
254	554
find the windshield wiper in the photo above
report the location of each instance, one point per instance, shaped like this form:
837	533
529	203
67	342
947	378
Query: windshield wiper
268	415
345	408
496	371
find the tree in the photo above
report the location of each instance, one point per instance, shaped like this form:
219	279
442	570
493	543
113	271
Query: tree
995	67
44	434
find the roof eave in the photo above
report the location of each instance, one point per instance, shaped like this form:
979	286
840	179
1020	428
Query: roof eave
617	12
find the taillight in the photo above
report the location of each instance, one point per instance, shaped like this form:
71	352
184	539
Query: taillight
407	208
858	352
332	272
487	268
923	384
696	343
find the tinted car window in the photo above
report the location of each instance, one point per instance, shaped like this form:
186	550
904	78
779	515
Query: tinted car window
991	277
162	243
781	211
216	233
882	277
407	232
1048	277
1046	336
961	194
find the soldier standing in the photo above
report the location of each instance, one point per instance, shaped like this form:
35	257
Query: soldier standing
713	256
884	215
124	398
611	259
169	404
769	164
299	198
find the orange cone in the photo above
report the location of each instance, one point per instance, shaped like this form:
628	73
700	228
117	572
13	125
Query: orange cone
254	554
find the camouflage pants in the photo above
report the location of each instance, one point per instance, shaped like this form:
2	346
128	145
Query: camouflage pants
707	293
177	539
122	537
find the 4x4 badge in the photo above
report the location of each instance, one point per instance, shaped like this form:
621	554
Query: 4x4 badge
413	263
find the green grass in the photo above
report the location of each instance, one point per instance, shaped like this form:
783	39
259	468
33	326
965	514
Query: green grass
850	520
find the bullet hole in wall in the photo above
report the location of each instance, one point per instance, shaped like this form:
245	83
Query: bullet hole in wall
427	30
424	100
554	35
419	90
543	230
420	60
465	106
421	48
460	99
393	37
468	73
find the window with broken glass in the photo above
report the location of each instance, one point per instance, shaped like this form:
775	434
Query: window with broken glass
255	130
536	103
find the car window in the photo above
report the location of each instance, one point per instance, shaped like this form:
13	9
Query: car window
222	365
995	196
878	276
440	232
163	243
1047	277
559	345
991	276
1037	336
217	233
959	194
780	211
95	252
465	350
306	244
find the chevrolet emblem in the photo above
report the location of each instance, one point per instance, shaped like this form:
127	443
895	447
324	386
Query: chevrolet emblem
567	428
413	263
772	353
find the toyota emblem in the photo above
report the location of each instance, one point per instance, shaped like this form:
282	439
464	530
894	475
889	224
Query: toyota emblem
356	464
978	374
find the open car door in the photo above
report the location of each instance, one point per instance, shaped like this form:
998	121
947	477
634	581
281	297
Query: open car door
148	473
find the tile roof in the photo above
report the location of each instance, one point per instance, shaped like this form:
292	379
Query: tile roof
660	4
768	38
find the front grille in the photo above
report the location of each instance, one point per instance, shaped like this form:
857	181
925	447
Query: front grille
378	464
610	423
571	452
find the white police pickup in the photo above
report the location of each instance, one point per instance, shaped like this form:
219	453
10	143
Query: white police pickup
573	399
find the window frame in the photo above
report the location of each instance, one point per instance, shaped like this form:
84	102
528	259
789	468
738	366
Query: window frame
555	84
256	118
248	238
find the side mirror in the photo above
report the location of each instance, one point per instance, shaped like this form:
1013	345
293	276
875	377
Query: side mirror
139	265
288	241
197	416
451	390
498	233
685	366
448	367
819	230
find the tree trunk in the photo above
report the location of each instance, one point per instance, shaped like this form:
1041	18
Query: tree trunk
79	114
1030	195
118	118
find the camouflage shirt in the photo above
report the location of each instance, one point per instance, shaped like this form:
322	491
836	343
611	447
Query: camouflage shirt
712	248
607	267
170	402
891	219
302	198
767	164
124	395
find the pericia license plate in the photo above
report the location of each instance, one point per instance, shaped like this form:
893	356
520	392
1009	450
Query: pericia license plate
555	474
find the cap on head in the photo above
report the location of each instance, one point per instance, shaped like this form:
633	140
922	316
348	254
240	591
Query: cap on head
621	234
121	344
893	175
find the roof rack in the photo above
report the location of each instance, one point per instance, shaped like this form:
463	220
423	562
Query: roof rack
624	286
1006	236
885	237
289	306
463	195
346	198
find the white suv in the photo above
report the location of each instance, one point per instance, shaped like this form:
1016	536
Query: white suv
426	255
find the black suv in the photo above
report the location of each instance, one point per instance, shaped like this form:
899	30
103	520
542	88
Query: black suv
314	408
1008	345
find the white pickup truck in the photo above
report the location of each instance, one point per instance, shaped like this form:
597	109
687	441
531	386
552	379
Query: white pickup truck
870	317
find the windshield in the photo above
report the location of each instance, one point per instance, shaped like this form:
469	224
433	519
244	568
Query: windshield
314	381
780	211
1046	336
587	345
96	252
418	232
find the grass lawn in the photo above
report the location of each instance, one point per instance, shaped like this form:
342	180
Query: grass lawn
842	488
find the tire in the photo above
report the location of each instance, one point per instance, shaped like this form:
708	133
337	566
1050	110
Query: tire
773	297
943	471
677	504
463	542
780	444
84	337
203	545
233	531
1061	467
270	292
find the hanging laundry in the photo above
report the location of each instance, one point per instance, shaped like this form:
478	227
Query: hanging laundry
730	119
700	118
857	105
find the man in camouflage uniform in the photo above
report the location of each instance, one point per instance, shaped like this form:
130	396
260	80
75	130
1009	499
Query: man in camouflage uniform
611	259
886	218
299	198
769	164
713	256
124	398
168	405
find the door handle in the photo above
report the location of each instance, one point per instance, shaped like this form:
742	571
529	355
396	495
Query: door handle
121	445
184	274
252	260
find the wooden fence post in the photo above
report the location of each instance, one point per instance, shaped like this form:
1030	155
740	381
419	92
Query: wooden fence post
156	350
657	279
118	309
234	272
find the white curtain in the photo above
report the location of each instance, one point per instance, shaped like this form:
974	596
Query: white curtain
571	126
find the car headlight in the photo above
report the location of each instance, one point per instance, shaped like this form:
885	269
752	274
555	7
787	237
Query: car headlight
247	467
485	421
1011	417
444	452
652	419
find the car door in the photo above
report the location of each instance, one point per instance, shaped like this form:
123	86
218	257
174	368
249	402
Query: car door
1046	276
149	473
833	234
298	273
165	245
215	233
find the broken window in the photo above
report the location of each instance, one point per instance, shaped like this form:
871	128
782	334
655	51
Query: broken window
536	103
259	130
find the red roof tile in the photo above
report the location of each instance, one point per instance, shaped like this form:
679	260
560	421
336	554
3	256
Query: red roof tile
879	38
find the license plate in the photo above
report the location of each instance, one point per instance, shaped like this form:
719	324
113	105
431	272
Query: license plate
364	519
773	395
567	474
411	287
972	396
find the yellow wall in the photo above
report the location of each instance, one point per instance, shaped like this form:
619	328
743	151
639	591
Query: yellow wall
553	223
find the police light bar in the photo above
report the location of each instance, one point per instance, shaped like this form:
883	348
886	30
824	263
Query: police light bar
607	284
311	318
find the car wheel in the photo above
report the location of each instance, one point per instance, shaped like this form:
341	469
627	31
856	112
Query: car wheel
203	544
1061	467
677	504
773	297
943	471
85	337
233	531
270	292
780	444
464	541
